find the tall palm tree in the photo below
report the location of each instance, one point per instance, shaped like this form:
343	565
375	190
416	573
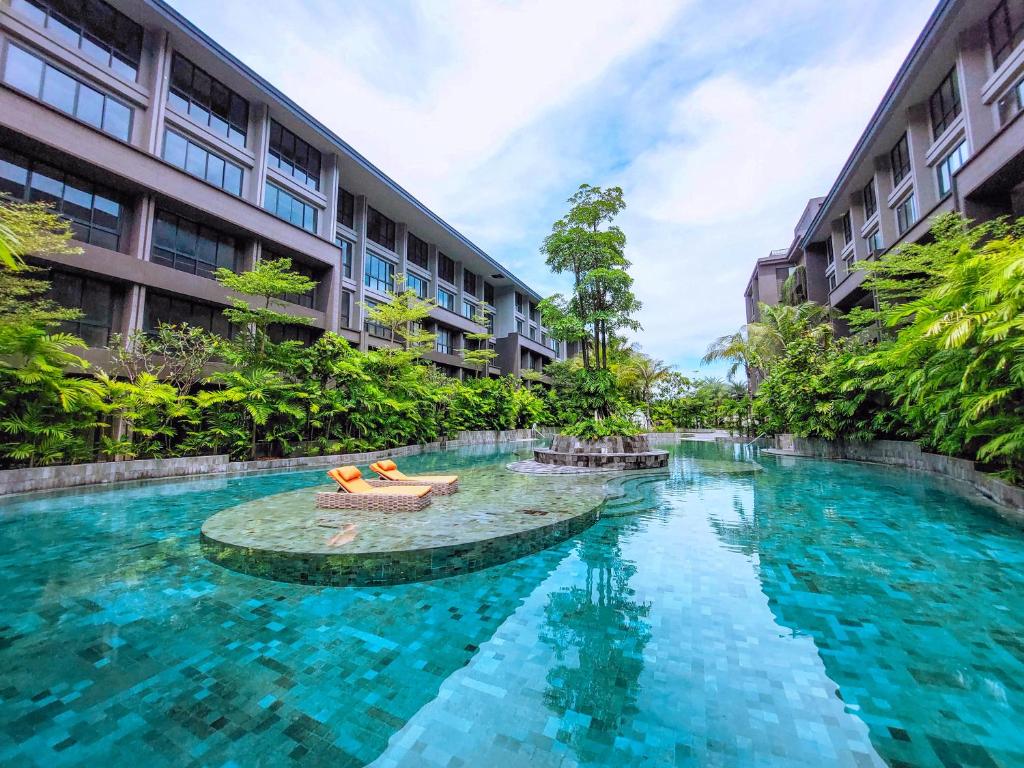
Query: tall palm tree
647	373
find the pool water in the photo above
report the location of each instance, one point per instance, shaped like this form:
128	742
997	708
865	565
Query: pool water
807	614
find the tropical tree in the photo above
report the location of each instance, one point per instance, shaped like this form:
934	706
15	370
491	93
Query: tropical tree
483	353
403	315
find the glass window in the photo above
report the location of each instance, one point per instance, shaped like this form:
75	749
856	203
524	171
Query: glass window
906	214
443	340
870	200
286	206
445	268
489	293
847	229
469	282
346	255
416	283
830	253
27	72
375	329
293	156
208	101
191	247
445	299
944	104
201	162
345	309
94	298
418	252
95	215
874	242
899	158
949	166
468	309
163	308
102	32
520	303
1005	29
310	299
380	273
380	228
346	208
832	281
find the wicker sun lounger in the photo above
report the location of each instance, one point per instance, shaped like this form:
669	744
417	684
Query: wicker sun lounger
356	493
388	472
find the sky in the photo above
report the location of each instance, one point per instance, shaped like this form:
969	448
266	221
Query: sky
718	118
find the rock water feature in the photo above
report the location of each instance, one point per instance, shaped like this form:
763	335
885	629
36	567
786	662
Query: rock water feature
609	453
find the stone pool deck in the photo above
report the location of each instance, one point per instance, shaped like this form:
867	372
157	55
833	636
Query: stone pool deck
495	517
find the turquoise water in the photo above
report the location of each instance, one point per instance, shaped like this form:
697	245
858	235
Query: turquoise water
811	614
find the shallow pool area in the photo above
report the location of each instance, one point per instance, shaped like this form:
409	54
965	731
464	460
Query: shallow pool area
736	609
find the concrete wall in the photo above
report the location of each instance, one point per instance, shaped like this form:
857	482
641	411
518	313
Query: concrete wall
56	477
898	453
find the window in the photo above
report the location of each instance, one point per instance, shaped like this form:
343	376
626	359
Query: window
489	293
849	259
417	252
870	200
519	302
309	299
380	273
345	309
906	214
27	72
445	299
830	253
94	298
944	104
286	206
102	32
202	163
519	327
417	284
949	166
279	332
375	329
346	255
1005	29
380	228
469	282
95	214
208	101
533	332
468	309
874	242
899	158
162	308
847	229
293	157
346	209
190	247
445	269
832	281
443	341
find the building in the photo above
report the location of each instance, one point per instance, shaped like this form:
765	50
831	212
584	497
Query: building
948	136
172	158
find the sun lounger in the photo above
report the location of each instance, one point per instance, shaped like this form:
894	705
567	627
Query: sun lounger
389	473
356	493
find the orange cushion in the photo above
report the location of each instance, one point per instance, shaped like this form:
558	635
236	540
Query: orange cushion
350	473
387	465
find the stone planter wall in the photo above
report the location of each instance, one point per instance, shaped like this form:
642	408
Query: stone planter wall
69	476
900	453
625	453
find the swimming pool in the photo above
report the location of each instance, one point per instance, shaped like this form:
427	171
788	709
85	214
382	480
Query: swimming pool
808	613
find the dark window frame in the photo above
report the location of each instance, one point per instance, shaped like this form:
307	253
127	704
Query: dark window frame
380	229
1005	32
98	27
217	324
294	157
899	160
469	282
944	104
446	299
202	108
847	221
379	273
86	231
208	169
906	217
417	252
870	200
85	327
272	200
170	254
445	269
346	208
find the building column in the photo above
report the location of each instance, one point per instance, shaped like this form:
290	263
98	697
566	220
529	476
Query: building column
328	228
402	246
919	136
857	221
981	120
258	138
359	270
883	188
155	70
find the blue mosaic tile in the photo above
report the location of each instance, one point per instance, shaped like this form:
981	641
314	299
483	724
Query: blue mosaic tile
803	614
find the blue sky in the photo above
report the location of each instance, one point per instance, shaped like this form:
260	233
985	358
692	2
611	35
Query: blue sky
719	118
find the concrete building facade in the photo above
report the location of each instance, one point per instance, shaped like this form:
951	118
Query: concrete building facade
171	158
947	136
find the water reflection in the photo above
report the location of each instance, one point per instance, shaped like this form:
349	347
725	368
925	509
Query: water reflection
598	631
